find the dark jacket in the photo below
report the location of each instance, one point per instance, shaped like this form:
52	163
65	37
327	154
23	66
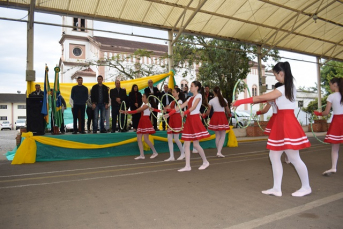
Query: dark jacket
35	94
95	94
156	93
132	100
114	94
79	94
210	96
164	99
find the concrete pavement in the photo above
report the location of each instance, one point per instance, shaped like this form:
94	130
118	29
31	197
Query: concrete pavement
123	193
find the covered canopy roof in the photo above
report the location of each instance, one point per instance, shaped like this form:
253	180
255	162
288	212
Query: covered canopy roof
313	27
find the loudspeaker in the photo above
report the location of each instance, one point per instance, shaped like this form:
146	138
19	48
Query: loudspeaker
34	117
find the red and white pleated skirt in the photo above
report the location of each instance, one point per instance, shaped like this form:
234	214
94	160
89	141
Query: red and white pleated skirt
335	132
175	122
269	125
145	126
286	133
218	122
194	129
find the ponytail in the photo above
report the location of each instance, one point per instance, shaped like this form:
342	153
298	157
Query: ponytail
220	96
288	78
339	82
204	98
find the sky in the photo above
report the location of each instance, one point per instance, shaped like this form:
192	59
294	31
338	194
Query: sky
47	49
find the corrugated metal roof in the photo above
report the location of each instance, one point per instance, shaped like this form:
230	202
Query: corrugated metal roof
283	24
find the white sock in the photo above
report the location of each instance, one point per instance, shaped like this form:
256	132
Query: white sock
275	158
300	167
171	145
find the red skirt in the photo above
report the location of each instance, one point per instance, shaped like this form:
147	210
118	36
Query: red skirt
287	133
335	132
269	125
194	129
218	122
145	126
175	122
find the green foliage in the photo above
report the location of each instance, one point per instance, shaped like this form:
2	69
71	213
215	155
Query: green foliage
327	72
222	62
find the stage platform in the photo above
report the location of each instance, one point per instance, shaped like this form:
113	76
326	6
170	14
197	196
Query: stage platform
100	145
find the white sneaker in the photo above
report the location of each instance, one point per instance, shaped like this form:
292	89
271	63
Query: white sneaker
185	169
170	159
204	166
302	192
139	157
181	157
272	192
154	155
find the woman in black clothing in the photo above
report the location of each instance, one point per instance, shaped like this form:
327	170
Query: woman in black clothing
135	100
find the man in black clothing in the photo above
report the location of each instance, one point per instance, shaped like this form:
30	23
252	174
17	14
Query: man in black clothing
79	95
151	90
100	100
38	92
166	100
64	107
117	95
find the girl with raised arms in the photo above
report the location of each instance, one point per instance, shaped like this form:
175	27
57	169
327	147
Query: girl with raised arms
286	134
193	129
334	135
144	127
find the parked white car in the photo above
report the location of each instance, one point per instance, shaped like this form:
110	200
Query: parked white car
242	119
20	123
6	125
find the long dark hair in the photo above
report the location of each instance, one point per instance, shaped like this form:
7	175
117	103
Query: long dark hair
288	80
133	88
278	84
220	97
181	94
339	82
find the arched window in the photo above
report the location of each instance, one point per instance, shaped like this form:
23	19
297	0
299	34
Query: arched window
254	90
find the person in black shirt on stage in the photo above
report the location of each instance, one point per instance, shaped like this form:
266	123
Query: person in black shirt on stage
38	92
135	101
100	100
151	90
117	95
79	95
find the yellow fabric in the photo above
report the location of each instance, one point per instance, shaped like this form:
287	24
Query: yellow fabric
30	87
65	88
232	141
26	153
171	82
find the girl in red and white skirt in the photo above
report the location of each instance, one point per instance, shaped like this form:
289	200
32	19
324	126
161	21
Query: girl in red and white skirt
193	129
175	122
286	133
218	122
335	132
144	127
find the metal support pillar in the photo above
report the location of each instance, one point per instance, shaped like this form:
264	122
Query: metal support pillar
259	69
30	73
319	86
170	50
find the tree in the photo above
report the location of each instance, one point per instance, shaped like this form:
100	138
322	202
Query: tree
221	62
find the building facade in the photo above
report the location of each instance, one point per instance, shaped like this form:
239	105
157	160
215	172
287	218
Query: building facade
12	107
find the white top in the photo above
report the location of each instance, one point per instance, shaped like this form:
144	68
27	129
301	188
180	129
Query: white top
282	102
273	105
216	105
335	99
146	112
197	109
180	103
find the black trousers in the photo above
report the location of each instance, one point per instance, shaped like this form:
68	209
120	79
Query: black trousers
153	119
76	109
115	117
90	115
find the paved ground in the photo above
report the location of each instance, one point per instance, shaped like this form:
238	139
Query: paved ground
124	193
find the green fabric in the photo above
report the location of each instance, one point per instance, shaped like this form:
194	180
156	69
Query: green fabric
53	153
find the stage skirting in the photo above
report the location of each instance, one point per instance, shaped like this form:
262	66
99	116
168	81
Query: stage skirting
85	146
